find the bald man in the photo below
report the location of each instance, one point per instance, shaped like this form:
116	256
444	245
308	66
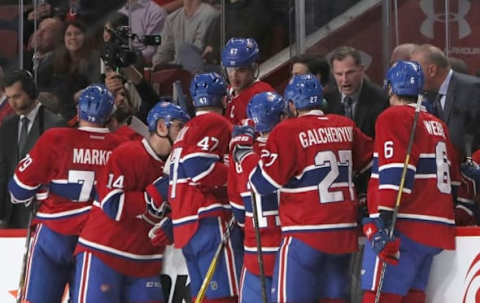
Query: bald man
402	52
47	37
458	95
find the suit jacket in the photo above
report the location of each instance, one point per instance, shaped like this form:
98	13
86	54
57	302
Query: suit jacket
371	102
16	216
462	110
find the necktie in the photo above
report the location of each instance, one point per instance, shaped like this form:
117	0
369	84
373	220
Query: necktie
23	135
437	107
348	106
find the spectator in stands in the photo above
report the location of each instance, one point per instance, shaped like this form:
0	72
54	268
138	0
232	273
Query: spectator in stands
46	9
169	5
73	67
21	131
402	52
457	100
184	35
47	38
357	98
147	18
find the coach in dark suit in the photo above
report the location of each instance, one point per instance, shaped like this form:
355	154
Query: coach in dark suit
356	97
457	96
18	134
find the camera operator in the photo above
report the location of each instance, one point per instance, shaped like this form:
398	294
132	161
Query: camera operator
137	87
119	65
146	18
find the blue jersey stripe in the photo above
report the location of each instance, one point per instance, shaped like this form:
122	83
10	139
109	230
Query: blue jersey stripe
19	193
262	185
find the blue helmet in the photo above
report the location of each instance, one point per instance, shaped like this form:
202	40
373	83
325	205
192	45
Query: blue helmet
166	111
95	104
405	78
240	52
305	91
208	90
266	109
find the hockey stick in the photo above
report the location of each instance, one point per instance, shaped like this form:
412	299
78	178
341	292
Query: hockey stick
400	189
214	262
21	282
259	246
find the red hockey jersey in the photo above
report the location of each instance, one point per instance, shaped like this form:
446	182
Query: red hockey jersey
268	219
198	175
128	133
236	109
310	160
115	231
426	209
65	163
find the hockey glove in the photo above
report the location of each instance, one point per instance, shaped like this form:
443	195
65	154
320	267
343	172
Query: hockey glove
156	201
161	234
471	174
386	249
242	142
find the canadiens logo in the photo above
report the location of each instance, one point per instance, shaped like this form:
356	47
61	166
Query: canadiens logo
472	282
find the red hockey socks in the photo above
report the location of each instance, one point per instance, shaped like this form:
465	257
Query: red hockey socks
415	296
369	297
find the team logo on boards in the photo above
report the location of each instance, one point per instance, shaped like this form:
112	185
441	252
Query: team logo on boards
427	27
472	282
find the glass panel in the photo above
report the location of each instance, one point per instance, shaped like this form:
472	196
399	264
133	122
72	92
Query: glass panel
9	34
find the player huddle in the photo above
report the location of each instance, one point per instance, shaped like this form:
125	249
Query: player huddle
101	227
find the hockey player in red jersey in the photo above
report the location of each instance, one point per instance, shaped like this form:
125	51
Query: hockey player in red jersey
312	169
63	164
425	220
116	261
197	194
265	110
239	58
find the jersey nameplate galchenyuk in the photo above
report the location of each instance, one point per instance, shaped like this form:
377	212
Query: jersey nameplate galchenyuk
325	135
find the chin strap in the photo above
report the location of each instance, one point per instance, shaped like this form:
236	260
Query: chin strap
164	158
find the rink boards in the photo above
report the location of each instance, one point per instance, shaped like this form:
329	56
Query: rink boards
455	275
